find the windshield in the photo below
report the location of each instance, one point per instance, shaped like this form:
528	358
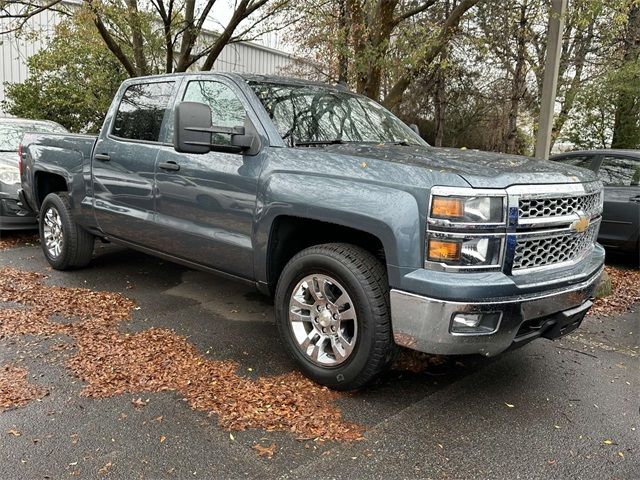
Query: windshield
11	133
317	115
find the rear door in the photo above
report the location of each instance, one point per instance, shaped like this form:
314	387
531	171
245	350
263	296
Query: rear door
206	202
621	218
124	161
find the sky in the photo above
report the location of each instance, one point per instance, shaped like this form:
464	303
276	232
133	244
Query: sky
221	14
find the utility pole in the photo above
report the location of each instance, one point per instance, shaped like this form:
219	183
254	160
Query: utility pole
550	81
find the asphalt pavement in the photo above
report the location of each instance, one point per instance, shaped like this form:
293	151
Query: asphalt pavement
563	409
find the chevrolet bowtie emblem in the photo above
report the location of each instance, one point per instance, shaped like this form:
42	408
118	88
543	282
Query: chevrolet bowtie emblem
581	224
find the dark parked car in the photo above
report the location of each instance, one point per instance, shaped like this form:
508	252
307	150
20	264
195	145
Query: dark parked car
619	171
12	215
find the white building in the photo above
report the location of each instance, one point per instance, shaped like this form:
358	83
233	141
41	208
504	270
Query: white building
245	57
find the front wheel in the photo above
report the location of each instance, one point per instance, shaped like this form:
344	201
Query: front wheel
65	244
332	312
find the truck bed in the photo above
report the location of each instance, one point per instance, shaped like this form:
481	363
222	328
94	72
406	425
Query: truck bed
61	154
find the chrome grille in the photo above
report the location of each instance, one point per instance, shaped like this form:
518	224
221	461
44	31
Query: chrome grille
559	206
534	251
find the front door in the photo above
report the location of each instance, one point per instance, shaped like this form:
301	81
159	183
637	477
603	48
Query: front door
621	177
123	165
206	202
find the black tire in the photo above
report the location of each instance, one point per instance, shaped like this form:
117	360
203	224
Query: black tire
77	244
365	280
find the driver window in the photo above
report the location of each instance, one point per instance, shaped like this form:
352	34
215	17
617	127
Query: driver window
226	108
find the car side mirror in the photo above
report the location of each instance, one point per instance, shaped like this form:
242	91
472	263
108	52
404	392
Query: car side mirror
192	128
415	128
193	131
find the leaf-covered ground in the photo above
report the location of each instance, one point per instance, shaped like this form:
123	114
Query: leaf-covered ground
155	360
18	239
15	389
626	292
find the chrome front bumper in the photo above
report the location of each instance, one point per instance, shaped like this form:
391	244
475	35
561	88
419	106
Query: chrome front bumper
423	323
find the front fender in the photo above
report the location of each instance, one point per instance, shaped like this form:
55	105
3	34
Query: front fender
391	215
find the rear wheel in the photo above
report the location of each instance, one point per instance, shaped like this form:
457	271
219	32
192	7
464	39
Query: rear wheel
65	244
332	311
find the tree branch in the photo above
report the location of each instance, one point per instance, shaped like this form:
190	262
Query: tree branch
413	11
394	97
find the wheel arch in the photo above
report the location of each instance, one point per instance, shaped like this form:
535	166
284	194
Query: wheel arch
46	182
290	234
323	206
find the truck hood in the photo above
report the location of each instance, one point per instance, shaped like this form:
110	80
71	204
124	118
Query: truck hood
479	169
9	158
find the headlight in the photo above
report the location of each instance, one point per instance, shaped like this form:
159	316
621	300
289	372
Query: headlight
459	209
9	175
464	251
466	228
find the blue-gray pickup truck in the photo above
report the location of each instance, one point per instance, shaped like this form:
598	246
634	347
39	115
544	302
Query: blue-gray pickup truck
366	236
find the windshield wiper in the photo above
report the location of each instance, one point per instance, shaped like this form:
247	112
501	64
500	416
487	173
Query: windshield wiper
319	142
403	143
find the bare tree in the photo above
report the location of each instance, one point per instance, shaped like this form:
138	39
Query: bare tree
126	26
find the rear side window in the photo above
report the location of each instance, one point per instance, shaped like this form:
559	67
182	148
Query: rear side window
620	171
142	110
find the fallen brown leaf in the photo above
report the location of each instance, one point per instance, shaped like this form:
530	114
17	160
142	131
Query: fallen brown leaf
155	360
15	390
18	239
267	452
138	402
626	292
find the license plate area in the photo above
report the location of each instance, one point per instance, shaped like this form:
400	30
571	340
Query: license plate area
567	321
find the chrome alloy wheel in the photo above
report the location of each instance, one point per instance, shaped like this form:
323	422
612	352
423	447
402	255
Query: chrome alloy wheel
323	320
53	234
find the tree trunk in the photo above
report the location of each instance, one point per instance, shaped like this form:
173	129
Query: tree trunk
517	84
440	109
583	41
137	39
440	93
188	38
343	60
380	30
626	131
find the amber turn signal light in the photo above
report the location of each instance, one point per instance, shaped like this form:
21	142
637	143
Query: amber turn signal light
447	207
441	251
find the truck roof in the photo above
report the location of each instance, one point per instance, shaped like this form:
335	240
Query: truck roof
606	151
251	77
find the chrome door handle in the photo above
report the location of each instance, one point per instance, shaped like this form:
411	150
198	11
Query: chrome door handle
103	157
171	166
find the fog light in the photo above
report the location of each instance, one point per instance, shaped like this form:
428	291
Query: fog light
475	323
467	319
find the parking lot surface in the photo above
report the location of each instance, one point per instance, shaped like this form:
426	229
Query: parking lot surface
563	409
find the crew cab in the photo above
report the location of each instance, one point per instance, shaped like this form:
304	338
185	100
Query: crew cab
366	236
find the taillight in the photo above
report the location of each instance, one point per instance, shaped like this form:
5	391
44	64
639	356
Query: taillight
20	158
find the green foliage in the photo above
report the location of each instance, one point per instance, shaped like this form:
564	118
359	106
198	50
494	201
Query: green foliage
71	82
625	82
591	124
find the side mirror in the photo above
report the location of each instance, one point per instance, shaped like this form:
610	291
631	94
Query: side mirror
415	128
193	130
